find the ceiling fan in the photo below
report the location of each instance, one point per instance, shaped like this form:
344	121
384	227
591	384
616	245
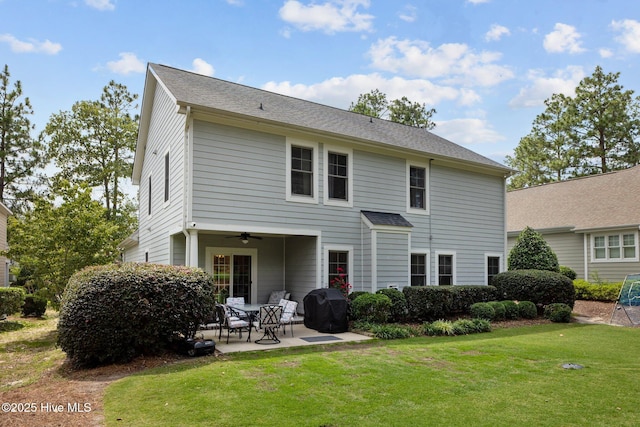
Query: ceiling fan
244	237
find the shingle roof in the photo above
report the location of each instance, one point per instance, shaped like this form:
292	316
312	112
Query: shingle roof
597	201
384	218
210	93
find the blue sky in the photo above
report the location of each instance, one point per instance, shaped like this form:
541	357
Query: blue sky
486	66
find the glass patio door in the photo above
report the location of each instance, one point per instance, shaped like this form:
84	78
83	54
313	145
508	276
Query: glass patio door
232	275
242	276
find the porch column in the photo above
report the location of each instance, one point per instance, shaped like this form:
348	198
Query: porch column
193	249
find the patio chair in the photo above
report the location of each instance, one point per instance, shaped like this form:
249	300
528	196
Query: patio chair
231	322
289	309
235	301
269	321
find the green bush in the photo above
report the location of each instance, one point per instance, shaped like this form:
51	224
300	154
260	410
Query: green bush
531	252
391	332
442	327
527	310
34	305
398	312
595	291
499	310
538	286
569	272
464	327
511	310
481	325
482	310
11	300
112	313
558	312
355	294
374	308
427	303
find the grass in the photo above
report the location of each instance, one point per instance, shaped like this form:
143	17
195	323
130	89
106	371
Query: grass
504	378
27	349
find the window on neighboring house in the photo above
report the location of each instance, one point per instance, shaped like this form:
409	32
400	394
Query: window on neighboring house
445	269
338	176
615	247
166	177
149	196
493	268
418	270
338	264
302	171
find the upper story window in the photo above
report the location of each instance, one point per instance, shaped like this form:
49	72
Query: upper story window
302	171
417	188
338	178
615	247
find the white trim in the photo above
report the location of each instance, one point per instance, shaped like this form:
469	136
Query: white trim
620	234
486	262
427	261
427	192
349	153
295	197
453	266
325	269
253	252
235	228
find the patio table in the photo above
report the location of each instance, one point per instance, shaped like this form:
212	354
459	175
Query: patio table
251	311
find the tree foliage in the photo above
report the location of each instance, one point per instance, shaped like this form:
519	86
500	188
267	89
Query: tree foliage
596	131
60	236
531	252
95	141
20	154
375	104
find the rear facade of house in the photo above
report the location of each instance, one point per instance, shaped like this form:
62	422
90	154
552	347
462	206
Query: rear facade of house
268	192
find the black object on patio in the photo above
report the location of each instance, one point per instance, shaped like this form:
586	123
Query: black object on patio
325	310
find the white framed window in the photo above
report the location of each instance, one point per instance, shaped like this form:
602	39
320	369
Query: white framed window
445	268
417	188
492	265
419	268
338	259
615	247
302	171
338	176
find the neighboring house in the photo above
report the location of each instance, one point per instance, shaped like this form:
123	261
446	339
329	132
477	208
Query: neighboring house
268	192
591	223
4	262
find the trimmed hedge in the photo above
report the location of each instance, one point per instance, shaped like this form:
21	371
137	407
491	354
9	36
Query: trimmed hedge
558	312
113	313
483	310
428	303
499	310
531	251
539	286
511	310
596	292
527	310
398	310
373	308
11	300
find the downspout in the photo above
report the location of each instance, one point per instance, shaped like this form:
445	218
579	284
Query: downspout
430	226
586	256
186	190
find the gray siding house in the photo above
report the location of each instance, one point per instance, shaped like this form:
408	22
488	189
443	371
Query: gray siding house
591	223
268	192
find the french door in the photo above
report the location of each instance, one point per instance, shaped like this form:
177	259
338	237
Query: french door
234	271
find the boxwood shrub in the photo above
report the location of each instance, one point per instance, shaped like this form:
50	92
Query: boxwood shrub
398	310
11	300
112	313
483	310
511	310
499	310
527	310
596	291
558	312
428	303
538	286
373	308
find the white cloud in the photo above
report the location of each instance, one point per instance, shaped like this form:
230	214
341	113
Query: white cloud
605	53
478	1
564	38
629	37
542	87
200	66
454	62
496	32
100	4
470	131
128	63
331	17
32	46
409	13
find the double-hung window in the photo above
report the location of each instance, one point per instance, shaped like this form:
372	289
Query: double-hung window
418	269
615	247
417	188
302	171
338	176
446	269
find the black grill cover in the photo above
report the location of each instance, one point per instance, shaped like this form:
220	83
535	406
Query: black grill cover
325	310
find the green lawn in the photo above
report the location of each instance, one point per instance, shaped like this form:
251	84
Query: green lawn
504	378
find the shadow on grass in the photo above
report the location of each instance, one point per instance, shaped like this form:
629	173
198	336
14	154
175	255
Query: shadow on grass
10	326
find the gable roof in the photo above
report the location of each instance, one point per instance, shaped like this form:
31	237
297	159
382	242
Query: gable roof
238	101
385	218
594	202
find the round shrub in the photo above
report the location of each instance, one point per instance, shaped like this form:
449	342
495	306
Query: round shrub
527	310
355	294
374	308
113	313
538	286
482	310
531	252
11	299
511	310
569	272
34	305
398	312
558	312
500	312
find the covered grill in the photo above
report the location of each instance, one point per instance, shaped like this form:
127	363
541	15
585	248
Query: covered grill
325	310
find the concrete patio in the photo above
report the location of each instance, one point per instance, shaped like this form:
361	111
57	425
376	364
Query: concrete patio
302	337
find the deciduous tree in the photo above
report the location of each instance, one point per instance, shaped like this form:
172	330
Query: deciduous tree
401	110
